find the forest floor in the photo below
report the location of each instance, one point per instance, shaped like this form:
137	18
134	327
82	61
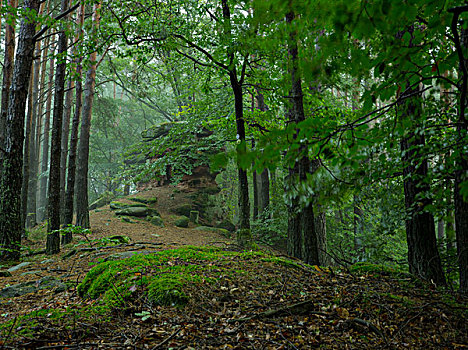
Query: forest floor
231	300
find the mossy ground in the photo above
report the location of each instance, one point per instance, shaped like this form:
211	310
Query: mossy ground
210	298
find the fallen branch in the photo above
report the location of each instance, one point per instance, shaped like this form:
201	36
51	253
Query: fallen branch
302	308
370	326
166	340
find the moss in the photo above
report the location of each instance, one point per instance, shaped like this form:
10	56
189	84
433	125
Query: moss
284	262
183	221
366	267
162	276
151	200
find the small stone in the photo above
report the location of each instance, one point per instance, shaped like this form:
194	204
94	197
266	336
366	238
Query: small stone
19	266
157	221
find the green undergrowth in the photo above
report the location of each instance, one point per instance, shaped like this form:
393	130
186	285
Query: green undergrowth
163	276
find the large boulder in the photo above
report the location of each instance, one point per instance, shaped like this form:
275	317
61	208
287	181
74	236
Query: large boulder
134	211
183	209
183	221
33	286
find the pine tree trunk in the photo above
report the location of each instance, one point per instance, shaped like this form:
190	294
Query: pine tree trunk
11	229
8	63
64	143
33	150
53	213
42	200
82	213
70	192
26	160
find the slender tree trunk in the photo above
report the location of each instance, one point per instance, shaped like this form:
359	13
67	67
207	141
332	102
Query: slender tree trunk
263	180
301	221
33	150
11	179
26	154
53	213
45	144
82	213
255	189
70	193
64	151
8	63
244	235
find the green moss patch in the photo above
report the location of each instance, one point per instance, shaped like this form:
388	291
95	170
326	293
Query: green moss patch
162	277
365	267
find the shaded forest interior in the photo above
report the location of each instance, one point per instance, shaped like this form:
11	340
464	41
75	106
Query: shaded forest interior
331	132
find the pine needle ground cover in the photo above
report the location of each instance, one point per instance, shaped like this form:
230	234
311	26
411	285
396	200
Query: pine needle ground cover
204	297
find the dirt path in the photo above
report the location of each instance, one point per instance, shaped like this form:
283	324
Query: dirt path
76	259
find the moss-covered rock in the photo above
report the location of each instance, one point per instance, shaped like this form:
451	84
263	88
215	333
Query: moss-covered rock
183	221
151	200
227	225
134	211
156	221
184	210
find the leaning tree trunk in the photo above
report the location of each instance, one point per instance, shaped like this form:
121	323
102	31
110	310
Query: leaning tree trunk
11	179
82	213
8	62
53	213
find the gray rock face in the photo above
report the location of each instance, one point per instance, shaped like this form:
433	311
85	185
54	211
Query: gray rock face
105	198
31	287
133	211
19	266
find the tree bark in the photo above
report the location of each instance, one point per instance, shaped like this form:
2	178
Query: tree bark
11	179
42	200
301	221
26	155
8	63
423	255
70	193
461	177
64	143
82	213
53	205
33	146
244	235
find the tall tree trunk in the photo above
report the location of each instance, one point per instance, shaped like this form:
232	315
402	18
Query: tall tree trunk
26	160
8	62
423	255
33	150
42	200
263	179
244	235
53	213
70	193
301	221
82	213
255	190
11	179
461	172
64	143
